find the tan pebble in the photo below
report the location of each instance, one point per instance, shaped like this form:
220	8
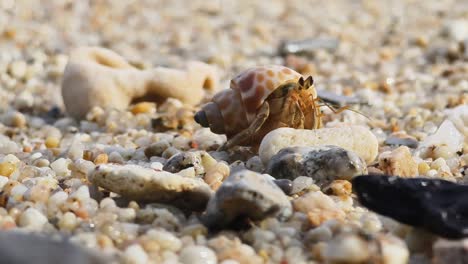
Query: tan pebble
318	207
421	41
7	168
88	155
423	168
27	149
340	188
398	162
101	159
104	241
18	120
52	142
143	108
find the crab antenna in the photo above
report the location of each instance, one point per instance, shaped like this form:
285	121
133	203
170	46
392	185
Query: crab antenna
341	109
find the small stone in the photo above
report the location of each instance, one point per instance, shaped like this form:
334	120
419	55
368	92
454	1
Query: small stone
318	207
413	201
185	160
347	248
197	255
156	149
7	168
398	162
32	219
323	164
147	185
399	139
457	29
18	69
101	159
16	119
449	251
52	142
24	100
446	135
423	168
143	108
135	254
246	194
358	139
76	149
301	183
285	185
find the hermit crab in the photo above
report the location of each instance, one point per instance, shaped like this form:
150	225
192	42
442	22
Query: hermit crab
259	100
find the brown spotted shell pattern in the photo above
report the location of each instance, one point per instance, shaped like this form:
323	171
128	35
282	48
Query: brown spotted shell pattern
232	110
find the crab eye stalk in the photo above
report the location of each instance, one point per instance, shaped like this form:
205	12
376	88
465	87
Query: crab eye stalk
200	118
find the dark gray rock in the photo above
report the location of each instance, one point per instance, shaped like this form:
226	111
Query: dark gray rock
324	164
246	195
186	160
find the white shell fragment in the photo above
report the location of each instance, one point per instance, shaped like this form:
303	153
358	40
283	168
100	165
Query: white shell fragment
447	135
100	77
358	139
143	184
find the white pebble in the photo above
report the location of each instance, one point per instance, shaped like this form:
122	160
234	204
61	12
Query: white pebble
354	138
60	166
81	194
135	254
3	181
165	239
18	69
11	158
32	219
197	255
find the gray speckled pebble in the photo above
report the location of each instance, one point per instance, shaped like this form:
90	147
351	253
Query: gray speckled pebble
324	164
246	194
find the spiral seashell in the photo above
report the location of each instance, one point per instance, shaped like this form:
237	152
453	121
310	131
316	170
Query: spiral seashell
232	110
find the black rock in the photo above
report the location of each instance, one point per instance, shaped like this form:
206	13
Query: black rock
285	185
438	206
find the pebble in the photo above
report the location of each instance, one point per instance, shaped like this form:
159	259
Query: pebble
323	164
353	138
319	207
97	76
449	251
156	149
397	139
285	185
18	69
142	184
7	168
185	160
32	219
135	254
143	108
197	255
415	200
447	135
246	194
398	162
